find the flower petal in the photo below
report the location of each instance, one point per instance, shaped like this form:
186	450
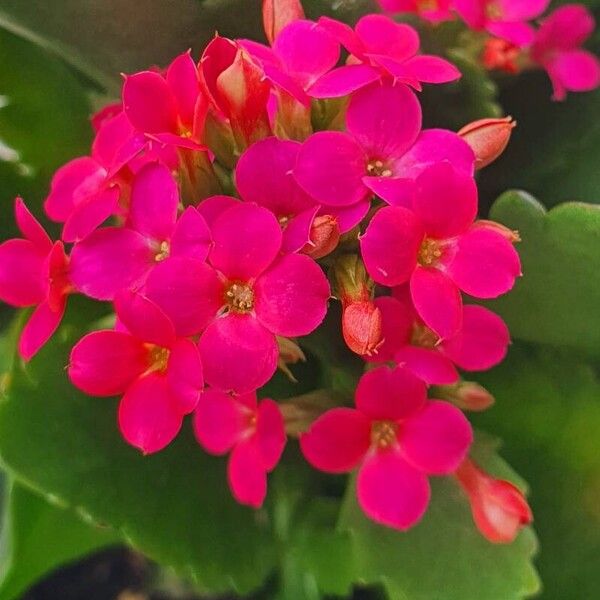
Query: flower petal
247	238
290	298
330	168
387	393
427	69
148	418
270	433
437	300
436	439
520	34
566	28
514	10
390	491
211	208
182	79
344	81
396	328
105	363
429	365
577	70
184	374
40	327
31	228
246	475
297	230
90	214
390	245
238	353
22	273
337	441
347	217
191	236
382	35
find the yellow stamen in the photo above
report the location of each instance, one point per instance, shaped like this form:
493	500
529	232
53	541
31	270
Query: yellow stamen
383	433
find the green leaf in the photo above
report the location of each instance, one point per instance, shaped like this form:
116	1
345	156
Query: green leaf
174	506
557	300
548	413
40	537
444	556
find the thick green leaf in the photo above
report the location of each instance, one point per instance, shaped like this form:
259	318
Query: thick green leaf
174	506
548	413
557	300
41	537
444	557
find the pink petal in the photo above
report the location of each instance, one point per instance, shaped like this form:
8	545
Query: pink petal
437	300
184	374
109	260
436	439
330	168
220	421
486	264
148	418
188	290
396	330
238	353
519	34
149	103
382	35
390	491
577	70
347	217
40	327
112	135
264	175
211	208
297	230
154	202
566	28
31	228
144	319
105	363
23	281
517	10
390	245
246	239
290	46
270	433
290	298
396	191
389	394
191	236
344	81
482	341
385	120
182	79
87	216
337	441
445	201
428	69
472	11
428	365
246	475
344	34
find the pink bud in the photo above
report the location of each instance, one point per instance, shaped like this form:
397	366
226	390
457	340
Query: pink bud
499	508
468	395
279	13
488	138
361	327
324	237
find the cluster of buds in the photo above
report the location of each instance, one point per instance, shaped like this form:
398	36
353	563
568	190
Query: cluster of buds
515	38
226	202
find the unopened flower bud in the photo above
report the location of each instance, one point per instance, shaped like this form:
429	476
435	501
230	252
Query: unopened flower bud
352	284
501	55
510	234
279	13
362	327
488	138
467	395
289	354
499	508
324	237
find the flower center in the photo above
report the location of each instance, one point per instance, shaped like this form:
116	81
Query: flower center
429	252
239	297
493	11
376	168
163	251
383	433
423	336
159	358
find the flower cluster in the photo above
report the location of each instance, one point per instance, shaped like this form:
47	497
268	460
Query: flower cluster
512	42
226	203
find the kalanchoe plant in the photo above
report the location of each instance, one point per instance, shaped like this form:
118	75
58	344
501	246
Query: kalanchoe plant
268	203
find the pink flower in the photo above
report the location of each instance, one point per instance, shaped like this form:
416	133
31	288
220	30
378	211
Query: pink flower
263	175
34	272
436	246
397	438
159	373
506	19
242	299
288	65
557	48
380	49
169	108
115	258
252	431
434	11
383	148
85	191
480	344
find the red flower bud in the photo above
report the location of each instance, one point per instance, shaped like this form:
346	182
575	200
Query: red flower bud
502	55
361	327
488	138
278	13
324	237
499	508
468	395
